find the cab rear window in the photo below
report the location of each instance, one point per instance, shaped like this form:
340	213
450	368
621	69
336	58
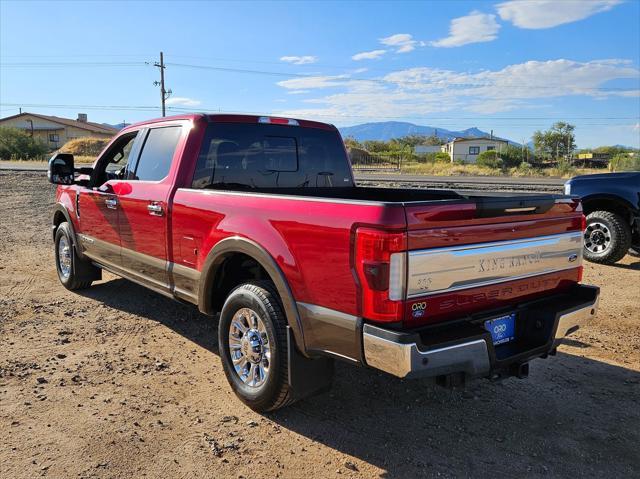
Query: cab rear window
253	156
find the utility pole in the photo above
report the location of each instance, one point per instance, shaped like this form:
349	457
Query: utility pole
164	94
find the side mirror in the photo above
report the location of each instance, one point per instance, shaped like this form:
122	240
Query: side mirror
61	170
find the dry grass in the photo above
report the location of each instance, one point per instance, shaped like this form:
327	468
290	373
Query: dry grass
449	169
85	146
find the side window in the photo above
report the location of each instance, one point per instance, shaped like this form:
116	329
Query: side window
115	163
474	150
119	158
157	153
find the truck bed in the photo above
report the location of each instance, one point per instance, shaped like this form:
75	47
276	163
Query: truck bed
401	195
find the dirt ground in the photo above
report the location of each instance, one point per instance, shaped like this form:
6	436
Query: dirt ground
118	381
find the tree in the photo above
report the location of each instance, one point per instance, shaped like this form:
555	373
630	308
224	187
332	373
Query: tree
613	150
351	142
375	146
15	144
556	142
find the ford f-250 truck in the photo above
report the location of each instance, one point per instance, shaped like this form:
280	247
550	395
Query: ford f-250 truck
259	219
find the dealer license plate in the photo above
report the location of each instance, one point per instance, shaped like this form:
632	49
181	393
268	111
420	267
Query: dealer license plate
502	329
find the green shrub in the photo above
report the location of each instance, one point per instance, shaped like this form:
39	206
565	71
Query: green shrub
88	146
564	168
512	156
624	162
442	157
490	159
16	144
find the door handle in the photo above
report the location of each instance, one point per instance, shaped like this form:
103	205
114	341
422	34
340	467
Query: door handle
111	203
155	209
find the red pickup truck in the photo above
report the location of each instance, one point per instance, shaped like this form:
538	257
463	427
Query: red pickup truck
259	219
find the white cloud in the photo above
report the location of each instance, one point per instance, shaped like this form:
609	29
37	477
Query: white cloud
372	55
534	14
418	92
402	42
298	92
474	28
303	60
182	101
308	82
636	127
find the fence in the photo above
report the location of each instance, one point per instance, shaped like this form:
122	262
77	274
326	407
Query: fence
365	162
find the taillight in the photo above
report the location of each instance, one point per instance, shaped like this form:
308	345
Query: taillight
583	223
381	267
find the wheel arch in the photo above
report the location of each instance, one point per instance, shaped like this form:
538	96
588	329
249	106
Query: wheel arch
61	215
611	203
230	249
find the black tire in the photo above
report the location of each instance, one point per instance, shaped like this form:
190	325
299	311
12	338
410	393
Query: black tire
262	298
80	274
616	233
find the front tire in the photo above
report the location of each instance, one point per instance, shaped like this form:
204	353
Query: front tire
73	272
607	237
252	339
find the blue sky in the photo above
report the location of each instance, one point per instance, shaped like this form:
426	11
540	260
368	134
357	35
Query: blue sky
510	66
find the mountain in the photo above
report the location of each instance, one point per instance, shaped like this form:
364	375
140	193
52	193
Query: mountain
386	130
118	126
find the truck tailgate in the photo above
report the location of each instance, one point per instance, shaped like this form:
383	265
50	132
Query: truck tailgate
488	252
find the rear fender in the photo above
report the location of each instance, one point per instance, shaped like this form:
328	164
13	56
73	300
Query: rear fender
237	244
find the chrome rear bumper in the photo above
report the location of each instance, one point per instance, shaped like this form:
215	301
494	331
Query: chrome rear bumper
406	359
405	355
571	321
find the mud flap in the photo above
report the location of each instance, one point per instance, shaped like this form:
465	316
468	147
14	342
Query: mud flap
87	271
307	377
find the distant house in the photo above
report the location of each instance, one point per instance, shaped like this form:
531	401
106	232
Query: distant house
55	131
468	149
424	149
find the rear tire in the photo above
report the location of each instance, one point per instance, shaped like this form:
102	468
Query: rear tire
74	273
252	340
607	237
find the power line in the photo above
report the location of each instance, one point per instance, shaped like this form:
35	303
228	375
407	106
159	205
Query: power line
422	116
72	64
346	78
328	78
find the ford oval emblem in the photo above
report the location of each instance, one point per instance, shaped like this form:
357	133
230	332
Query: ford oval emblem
573	257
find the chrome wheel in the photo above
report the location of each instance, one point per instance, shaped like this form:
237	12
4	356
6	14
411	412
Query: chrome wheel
597	237
64	257
250	347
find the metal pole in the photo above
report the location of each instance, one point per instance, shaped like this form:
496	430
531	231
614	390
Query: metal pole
162	90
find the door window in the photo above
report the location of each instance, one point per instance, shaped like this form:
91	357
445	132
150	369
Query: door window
157	153
113	165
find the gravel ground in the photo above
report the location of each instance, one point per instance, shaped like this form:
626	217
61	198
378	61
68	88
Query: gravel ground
121	382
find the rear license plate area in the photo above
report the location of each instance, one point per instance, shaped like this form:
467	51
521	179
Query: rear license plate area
502	328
